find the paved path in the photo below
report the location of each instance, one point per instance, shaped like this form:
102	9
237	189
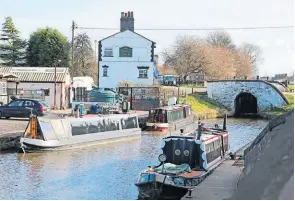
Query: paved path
221	184
12	125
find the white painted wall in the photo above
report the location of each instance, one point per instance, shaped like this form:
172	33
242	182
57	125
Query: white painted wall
49	99
125	68
225	93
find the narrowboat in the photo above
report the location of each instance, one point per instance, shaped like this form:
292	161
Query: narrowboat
51	133
184	163
169	118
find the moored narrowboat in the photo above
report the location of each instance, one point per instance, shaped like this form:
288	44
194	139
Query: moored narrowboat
184	163
169	118
51	133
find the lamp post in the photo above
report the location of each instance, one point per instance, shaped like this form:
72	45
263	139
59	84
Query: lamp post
55	83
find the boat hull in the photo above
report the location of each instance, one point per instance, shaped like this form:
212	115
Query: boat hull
149	192
28	145
172	126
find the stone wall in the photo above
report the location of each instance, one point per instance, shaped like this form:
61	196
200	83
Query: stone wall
225	92
10	141
269	162
253	152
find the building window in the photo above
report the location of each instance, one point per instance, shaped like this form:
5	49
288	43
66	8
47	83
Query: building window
105	71
143	74
108	52
125	52
46	92
143	71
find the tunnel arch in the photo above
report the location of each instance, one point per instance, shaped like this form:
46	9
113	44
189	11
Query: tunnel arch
246	104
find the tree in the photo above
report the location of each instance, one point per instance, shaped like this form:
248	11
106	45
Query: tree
84	58
12	50
221	63
243	65
254	53
186	56
220	38
46	47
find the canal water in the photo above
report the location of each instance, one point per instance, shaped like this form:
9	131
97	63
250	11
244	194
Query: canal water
106	171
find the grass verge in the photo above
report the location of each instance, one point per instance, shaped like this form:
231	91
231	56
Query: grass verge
204	108
285	108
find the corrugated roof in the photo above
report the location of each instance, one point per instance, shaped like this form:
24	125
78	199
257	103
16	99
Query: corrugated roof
35	74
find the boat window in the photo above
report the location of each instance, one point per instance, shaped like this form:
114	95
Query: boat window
128	123
94	126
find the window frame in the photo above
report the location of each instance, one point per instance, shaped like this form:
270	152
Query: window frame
108	50
142	73
145	70
105	71
123	49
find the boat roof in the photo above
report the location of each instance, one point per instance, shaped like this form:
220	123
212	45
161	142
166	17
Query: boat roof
172	107
204	137
88	116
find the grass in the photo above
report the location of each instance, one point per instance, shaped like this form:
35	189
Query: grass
291	87
285	108
204	107
192	85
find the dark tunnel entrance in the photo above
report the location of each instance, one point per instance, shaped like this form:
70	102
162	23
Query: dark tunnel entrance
245	104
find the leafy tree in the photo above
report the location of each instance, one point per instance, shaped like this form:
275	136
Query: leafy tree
46	47
12	49
84	58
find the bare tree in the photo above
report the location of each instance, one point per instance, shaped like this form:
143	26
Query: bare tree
220	38
243	65
84	58
222	63
186	56
254	53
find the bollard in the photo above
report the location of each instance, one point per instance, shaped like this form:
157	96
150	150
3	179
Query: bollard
189	194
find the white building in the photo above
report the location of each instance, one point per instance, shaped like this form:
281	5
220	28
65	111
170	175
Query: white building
38	83
125	56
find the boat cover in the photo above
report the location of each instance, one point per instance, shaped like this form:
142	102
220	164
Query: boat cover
174	169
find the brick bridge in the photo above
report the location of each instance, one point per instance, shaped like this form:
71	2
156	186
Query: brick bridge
246	96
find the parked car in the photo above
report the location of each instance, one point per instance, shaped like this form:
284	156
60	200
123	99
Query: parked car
22	108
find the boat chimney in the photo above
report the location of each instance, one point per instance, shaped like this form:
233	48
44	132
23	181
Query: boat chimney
224	122
199	131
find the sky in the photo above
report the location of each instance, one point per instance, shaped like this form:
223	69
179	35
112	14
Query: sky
277	44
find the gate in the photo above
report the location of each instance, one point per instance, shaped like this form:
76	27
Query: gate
142	98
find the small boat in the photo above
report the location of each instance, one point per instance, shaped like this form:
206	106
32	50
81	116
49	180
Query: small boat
170	118
51	133
184	163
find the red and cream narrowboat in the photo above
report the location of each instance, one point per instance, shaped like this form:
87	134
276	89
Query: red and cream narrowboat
169	118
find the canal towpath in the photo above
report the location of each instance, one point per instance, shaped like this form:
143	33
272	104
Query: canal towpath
222	182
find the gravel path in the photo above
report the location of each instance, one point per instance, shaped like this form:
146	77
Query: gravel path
12	125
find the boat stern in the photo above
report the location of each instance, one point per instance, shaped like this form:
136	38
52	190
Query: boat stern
157	126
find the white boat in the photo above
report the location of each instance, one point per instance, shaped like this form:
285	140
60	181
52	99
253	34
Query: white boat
51	133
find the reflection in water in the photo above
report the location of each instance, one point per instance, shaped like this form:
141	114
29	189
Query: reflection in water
105	171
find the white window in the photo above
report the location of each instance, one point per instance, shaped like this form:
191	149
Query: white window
143	73
105	71
108	52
